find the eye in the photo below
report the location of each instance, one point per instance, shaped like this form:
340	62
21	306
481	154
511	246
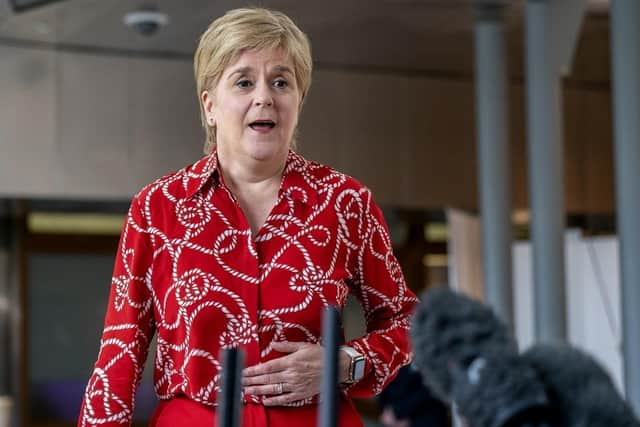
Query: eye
281	83
244	83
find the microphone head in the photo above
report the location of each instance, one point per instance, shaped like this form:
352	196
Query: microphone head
501	390
579	388
449	330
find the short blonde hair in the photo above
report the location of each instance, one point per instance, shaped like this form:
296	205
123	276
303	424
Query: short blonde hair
245	29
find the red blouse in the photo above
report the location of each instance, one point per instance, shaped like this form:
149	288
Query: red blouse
189	270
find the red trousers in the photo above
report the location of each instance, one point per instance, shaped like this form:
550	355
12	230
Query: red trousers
183	412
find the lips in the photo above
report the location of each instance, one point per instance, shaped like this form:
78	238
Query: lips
262	125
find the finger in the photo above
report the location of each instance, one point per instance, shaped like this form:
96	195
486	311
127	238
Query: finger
270	367
287	346
263	379
266	389
282	399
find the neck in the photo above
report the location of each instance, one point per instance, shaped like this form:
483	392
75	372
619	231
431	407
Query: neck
247	172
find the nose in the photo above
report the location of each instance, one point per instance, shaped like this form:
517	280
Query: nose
263	95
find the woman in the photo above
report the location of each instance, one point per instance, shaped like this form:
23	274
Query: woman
244	249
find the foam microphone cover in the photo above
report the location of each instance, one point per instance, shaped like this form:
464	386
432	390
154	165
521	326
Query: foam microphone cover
501	390
579	388
450	330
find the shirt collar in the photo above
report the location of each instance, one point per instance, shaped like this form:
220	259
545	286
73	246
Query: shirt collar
295	181
200	173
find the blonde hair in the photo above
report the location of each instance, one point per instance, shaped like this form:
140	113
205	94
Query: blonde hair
245	29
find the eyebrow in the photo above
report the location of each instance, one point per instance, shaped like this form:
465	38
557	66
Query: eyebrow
284	69
280	69
241	70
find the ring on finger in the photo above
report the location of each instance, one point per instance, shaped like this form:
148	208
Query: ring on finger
279	388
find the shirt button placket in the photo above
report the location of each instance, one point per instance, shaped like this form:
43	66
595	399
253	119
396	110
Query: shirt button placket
251	298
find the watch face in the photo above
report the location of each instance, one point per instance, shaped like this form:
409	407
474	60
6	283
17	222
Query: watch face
358	369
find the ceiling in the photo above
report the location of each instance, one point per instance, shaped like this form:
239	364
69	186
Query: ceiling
406	36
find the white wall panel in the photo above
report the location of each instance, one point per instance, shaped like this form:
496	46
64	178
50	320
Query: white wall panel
443	166
27	121
388	132
92	127
93	111
165	118
377	133
593	298
323	114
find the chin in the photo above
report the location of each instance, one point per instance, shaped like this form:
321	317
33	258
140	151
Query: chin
265	150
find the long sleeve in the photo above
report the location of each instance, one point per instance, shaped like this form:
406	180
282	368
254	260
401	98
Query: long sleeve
387	303
128	329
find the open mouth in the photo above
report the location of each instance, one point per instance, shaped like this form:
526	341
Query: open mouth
262	125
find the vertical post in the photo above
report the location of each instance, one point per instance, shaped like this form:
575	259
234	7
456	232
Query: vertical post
546	173
229	401
18	279
5	343
6	347
625	39
492	106
328	414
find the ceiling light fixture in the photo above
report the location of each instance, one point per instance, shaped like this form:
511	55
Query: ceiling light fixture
146	21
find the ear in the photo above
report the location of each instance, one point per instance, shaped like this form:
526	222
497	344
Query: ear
206	98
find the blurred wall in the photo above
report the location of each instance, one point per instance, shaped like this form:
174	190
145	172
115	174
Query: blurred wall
75	125
84	126
67	301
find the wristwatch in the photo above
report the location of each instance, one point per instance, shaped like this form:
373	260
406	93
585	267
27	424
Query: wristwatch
356	366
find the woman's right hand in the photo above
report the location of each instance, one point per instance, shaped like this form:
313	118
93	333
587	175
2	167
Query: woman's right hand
287	379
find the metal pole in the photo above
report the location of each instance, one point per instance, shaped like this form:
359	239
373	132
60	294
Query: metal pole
229	402
16	258
5	343
546	174
328	414
492	101
625	38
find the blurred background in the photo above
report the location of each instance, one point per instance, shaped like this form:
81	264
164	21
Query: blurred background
92	109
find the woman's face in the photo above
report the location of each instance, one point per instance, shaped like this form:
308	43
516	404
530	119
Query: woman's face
255	105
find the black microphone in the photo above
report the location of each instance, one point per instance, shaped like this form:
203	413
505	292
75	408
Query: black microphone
466	355
328	410
579	389
229	398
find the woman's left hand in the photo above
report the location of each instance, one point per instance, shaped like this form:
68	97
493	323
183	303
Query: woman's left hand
295	376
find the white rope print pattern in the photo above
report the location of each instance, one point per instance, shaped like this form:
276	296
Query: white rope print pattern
189	270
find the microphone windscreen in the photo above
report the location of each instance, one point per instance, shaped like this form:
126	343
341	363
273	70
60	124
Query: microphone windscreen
499	390
449	329
579	388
